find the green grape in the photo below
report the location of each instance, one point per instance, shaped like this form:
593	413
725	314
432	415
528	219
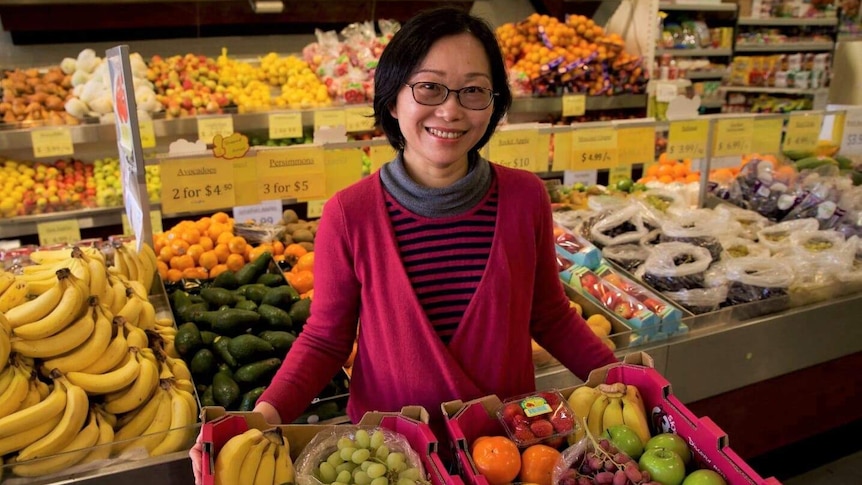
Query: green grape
376	439
361	478
327	473
360	455
376	470
365	464
343	477
338	483
410	474
347	452
335	459
382	452
398	468
380	481
394	459
349	466
345	443
405	481
362	439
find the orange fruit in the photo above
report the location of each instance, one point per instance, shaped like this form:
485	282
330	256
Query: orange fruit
206	243
224	237
306	262
217	270
215	230
191	235
203	224
235	262
163	269
277	248
652	170
221	217
537	464
237	245
208	260
179	247
303	281
195	273
294	251
665	179
255	253
166	253
222	252
498	459
680	170
665	169
182	262
195	251
174	275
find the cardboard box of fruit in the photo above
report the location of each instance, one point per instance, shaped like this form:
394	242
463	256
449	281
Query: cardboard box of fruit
219	426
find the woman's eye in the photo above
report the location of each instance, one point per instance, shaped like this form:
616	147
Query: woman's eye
472	90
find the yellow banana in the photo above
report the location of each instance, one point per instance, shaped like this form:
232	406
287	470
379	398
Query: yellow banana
634	413
33	310
25	419
597	411
180	427
98	277
581	400
134	424
63	341
69	455
67	311
15	394
43	389
6	280
91	350
15	295
178	368
613	413
139	392
30	435
148	258
6	375
185	385
5	343
119	291
74	415
113	355
284	471
135	336
110	381
147	320
265	473
102	448
230	458
156	431
33	395
251	462
131	311
50	256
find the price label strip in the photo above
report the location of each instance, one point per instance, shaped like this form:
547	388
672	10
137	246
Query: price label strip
291	173
574	104
359	119
620	173
516	149
594	148
343	167
285	125
58	232
148	133
330	118
803	131
767	135
687	139
636	145
197	184
53	142
851	138
209	127
267	212
733	137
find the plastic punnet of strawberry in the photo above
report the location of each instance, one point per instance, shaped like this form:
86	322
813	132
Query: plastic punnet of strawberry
540	417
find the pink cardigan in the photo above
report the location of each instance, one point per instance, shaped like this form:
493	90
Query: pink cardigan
400	360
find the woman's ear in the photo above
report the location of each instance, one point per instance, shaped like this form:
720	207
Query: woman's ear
392	111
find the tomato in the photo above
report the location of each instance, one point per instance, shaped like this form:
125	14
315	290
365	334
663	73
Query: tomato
537	464
497	458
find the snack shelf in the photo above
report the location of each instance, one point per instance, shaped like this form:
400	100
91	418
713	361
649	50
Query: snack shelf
708	52
787	47
554	104
697	7
705	74
766	89
712	103
788	21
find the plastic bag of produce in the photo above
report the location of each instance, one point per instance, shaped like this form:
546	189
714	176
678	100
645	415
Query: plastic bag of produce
822	247
747	222
820	199
329	455
572	219
624	226
850	223
852	273
740	247
763	189
628	256
754	279
662	202
777	236
699	300
675	266
696	228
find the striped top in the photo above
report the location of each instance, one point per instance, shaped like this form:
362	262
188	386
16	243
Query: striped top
445	257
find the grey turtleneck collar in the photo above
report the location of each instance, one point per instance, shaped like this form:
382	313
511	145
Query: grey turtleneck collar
453	200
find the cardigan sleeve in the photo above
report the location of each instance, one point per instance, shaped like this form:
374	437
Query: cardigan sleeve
327	337
555	326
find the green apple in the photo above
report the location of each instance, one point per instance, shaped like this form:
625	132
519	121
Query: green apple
664	466
625	439
704	477
672	442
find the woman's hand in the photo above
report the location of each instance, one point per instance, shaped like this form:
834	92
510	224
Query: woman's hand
270	414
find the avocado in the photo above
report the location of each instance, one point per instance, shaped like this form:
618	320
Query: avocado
300	311
188	339
220	348
208	337
227	280
228	322
207	397
274	318
203	365
282	297
256	293
189	312
246	305
257	372
252	271
179	300
250	398
281	341
225	389
271	279
218	297
249	348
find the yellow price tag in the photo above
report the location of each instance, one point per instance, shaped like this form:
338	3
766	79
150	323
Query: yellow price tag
851	134
574	104
210	126
245	180
285	125
291	173
687	139
343	167
767	135
197	184
733	137
636	145
359	119
562	152
66	231
803	131
330	118
381	154
314	209
52	142
594	148
155	223
619	173
516	149
148	134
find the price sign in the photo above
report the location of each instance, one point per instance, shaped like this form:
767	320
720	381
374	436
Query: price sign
343	167
562	152
285	125
594	148
266	212
516	149
58	232
803	131
851	139
543	147
733	137
245	180
296	173
635	145
767	135
381	154
52	142
210	126
359	119
329	117
687	139
155	221
197	184
314	209
585	177
148	134
574	104
619	173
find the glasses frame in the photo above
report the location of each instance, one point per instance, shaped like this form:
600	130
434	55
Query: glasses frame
450	91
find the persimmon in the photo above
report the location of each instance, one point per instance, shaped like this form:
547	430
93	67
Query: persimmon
537	464
206	243
217	270
209	260
179	247
235	262
195	251
221	217
222	252
174	275
303	281
163	269
195	273
237	245
497	458
306	262
191	235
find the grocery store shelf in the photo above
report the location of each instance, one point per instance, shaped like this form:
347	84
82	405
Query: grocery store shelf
756	89
712	103
698	7
849	37
715	52
787	47
705	74
554	104
788	21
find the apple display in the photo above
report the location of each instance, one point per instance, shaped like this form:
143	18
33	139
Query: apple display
704	477
663	465
672	442
625	439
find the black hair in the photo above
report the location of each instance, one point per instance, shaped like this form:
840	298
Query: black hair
408	48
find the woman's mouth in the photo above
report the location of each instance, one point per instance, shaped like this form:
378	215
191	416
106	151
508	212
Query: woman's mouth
450	135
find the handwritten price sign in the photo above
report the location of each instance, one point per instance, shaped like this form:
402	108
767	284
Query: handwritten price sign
291	173
197	184
733	137
285	125
516	149
636	145
359	119
687	139
803	131
58	232
574	104
594	148
54	142
851	140
209	127
767	135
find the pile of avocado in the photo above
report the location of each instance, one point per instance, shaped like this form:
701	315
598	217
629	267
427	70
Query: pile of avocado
234	333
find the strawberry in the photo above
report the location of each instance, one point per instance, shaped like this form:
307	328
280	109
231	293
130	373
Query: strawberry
520	420
542	428
511	410
563	424
523	434
551	398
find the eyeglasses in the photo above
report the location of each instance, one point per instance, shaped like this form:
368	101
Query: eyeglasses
435	94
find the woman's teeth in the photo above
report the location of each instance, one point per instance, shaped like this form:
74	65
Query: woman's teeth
445	134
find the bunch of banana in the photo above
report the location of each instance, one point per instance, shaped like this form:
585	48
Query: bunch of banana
255	456
117	293
140	390
73	453
5	342
91	350
15	386
41	277
599	408
113	380
162	425
13	291
66	340
134	266
137	310
52	311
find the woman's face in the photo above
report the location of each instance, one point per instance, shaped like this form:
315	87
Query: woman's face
438	138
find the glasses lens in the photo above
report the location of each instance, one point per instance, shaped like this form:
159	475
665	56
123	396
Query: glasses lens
429	93
475	97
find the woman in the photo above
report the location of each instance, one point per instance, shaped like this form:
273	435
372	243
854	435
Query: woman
446	260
